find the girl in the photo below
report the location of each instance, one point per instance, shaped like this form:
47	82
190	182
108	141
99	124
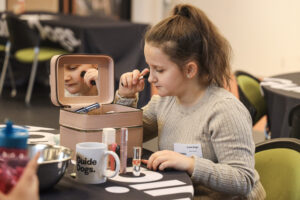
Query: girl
80	80
201	127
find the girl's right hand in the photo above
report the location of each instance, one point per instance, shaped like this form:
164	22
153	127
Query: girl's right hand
130	83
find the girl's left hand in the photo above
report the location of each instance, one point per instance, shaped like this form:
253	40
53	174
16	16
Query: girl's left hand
169	159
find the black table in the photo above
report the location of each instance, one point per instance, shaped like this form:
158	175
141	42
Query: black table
122	40
279	103
174	184
69	188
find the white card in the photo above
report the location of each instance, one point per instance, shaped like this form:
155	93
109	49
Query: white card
188	149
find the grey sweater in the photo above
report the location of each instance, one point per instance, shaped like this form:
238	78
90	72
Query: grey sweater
222	126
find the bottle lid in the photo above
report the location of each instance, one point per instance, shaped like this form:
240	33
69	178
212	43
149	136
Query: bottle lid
109	135
12	137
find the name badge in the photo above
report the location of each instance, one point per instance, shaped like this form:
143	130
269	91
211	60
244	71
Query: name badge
188	149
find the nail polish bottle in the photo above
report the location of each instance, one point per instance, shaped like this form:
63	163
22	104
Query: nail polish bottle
136	161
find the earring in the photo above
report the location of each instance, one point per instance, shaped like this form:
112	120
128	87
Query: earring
188	76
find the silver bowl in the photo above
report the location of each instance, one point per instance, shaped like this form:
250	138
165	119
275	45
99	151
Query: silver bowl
53	162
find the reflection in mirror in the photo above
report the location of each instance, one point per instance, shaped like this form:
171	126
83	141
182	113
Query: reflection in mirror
81	80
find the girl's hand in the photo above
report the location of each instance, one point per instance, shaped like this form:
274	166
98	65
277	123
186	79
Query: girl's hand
130	83
161	160
91	77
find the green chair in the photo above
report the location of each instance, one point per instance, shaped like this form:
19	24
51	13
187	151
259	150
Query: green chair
250	95
25	47
277	162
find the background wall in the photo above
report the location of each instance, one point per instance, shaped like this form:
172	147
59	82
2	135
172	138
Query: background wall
32	5
264	34
2	5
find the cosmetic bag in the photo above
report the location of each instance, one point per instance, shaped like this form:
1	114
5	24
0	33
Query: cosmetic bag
87	127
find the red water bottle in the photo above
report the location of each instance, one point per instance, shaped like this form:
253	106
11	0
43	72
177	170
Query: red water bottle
13	155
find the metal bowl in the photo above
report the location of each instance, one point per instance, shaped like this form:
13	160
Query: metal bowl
53	162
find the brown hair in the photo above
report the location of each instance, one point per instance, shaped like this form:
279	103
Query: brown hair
188	35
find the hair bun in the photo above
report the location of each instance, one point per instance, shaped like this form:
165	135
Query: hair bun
182	10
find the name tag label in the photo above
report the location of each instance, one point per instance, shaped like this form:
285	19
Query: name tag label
188	149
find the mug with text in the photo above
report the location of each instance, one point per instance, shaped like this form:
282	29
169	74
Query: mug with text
91	162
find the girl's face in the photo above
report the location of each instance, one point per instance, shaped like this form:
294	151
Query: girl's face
74	83
164	74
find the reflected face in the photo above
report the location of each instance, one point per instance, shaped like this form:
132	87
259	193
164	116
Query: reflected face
74	79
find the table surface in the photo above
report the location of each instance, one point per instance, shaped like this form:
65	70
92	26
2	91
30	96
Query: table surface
169	184
294	77
279	103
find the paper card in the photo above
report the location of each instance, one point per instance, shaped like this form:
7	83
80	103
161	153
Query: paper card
188	149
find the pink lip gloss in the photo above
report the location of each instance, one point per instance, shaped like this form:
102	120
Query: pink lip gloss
123	150
109	138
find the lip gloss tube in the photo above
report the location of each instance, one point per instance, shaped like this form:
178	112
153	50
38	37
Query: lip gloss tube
123	150
136	161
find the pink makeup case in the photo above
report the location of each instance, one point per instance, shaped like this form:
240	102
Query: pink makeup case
82	127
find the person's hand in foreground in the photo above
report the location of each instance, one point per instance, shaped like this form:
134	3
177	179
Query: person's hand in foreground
161	160
27	187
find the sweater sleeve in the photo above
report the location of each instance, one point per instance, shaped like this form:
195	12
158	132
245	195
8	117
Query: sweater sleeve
230	130
132	102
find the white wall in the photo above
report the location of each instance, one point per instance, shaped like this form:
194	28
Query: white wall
264	34
2	5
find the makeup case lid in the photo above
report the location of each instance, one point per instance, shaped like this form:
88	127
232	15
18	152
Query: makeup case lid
105	79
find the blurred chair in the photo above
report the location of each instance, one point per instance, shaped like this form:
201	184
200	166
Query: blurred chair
25	47
4	52
250	95
278	163
294	122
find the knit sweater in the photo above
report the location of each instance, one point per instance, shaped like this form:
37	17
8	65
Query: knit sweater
221	124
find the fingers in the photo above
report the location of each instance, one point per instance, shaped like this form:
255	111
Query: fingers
158	160
31	167
145	71
130	79
2	196
33	162
90	77
144	161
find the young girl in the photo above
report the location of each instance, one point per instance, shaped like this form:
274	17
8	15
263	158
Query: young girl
201	127
80	80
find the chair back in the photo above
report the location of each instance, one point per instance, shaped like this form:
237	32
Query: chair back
3	30
250	95
294	122
21	35
277	162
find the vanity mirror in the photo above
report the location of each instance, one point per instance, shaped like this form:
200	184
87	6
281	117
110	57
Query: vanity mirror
82	79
